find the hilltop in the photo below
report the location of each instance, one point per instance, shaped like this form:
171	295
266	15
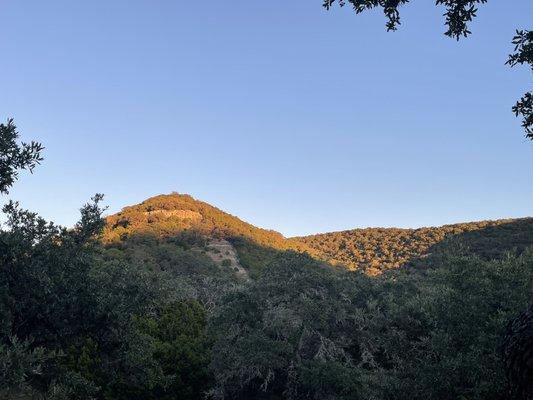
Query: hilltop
171	214
194	224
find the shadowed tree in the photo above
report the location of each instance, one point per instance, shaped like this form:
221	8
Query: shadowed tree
14	156
523	54
517	349
77	325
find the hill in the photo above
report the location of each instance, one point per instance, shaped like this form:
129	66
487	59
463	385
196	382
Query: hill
378	249
191	223
167	215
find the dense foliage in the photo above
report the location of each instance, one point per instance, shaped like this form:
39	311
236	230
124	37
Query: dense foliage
165	215
180	220
192	273
194	223
379	249
517	354
78	322
15	157
304	330
145	312
79	327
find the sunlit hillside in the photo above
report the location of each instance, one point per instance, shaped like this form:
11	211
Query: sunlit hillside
378	249
193	223
167	215
183	218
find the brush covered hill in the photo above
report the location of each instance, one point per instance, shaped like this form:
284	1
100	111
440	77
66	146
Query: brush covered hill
168	215
378	249
189	222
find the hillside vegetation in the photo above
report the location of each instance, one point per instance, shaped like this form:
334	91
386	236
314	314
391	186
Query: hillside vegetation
188	222
378	249
175	299
147	312
172	214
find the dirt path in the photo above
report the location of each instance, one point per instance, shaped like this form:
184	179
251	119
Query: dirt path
222	252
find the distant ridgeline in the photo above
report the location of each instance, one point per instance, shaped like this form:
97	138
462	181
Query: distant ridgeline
189	222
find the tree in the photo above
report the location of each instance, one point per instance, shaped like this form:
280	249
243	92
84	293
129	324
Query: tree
291	334
14	156
459	14
77	323
523	54
517	346
436	336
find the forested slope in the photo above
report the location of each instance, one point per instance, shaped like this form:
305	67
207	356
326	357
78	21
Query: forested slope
188	222
145	313
378	249
337	315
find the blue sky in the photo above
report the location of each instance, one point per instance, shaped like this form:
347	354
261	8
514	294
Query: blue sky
289	116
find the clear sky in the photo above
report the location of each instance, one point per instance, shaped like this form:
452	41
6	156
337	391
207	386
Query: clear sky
289	116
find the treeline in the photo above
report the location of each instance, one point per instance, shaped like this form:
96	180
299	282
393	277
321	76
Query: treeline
79	324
